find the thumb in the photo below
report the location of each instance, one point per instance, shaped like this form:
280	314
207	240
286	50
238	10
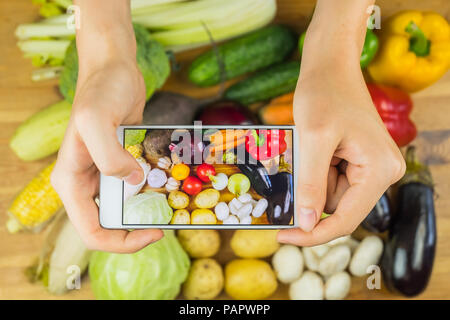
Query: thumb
108	155
314	164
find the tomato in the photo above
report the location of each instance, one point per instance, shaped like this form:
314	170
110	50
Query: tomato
192	185
205	171
180	171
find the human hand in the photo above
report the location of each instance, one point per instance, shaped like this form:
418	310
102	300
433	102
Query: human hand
347	158
110	92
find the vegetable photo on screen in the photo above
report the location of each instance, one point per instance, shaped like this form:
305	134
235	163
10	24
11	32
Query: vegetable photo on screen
338	129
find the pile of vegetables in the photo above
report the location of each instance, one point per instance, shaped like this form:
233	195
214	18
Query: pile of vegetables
178	192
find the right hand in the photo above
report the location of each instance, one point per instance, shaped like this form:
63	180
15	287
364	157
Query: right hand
106	97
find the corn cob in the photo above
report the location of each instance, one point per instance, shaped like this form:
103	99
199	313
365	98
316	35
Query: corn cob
35	205
135	150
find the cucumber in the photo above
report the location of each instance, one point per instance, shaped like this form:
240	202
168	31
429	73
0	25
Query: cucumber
41	134
265	84
251	52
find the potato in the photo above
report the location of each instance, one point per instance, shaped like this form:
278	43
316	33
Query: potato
181	216
199	243
205	280
178	199
203	216
254	243
206	199
249	279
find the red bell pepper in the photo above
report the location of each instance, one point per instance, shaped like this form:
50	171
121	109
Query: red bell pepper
265	144
394	107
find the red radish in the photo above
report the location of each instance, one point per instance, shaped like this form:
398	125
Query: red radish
192	185
205	172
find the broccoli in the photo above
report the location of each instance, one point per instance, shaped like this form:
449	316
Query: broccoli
151	59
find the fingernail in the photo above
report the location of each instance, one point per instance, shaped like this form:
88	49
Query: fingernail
307	219
135	177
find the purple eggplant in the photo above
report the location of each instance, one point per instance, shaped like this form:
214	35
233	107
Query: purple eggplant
409	253
379	219
281	202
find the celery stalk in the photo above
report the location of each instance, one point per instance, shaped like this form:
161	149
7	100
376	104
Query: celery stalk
41	30
259	14
53	48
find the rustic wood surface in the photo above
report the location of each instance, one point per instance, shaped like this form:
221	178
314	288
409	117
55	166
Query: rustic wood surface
20	98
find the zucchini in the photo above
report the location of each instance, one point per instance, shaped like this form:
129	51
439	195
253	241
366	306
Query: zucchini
266	84
42	134
251	52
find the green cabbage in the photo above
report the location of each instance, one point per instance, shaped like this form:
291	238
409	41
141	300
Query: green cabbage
134	136
154	273
147	208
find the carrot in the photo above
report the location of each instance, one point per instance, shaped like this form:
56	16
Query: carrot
278	111
227	145
221	136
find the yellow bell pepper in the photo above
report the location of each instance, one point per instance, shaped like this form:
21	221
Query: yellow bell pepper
414	50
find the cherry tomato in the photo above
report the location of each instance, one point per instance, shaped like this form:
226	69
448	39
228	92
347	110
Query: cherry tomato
180	171
192	185
205	171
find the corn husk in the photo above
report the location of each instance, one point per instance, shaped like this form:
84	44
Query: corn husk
63	250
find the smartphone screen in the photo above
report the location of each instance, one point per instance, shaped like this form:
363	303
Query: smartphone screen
211	176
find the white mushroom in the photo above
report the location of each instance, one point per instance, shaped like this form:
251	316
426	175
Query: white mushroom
335	260
232	219
244	198
222	211
308	287
311	260
288	263
368	253
244	211
246	220
320	250
337	286
234	205
260	208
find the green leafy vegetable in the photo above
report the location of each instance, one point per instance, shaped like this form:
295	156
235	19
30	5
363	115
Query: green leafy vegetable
155	272
151	59
147	208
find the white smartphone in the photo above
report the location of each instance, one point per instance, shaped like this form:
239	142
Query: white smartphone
205	177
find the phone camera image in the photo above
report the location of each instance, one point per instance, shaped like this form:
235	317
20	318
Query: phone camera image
211	176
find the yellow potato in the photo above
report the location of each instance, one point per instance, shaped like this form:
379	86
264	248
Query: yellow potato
254	243
205	280
203	216
249	279
206	199
181	216
178	199
199	243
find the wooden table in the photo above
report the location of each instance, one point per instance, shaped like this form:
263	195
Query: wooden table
20	98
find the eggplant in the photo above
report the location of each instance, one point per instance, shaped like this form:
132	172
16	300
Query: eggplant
380	217
281	202
409	253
